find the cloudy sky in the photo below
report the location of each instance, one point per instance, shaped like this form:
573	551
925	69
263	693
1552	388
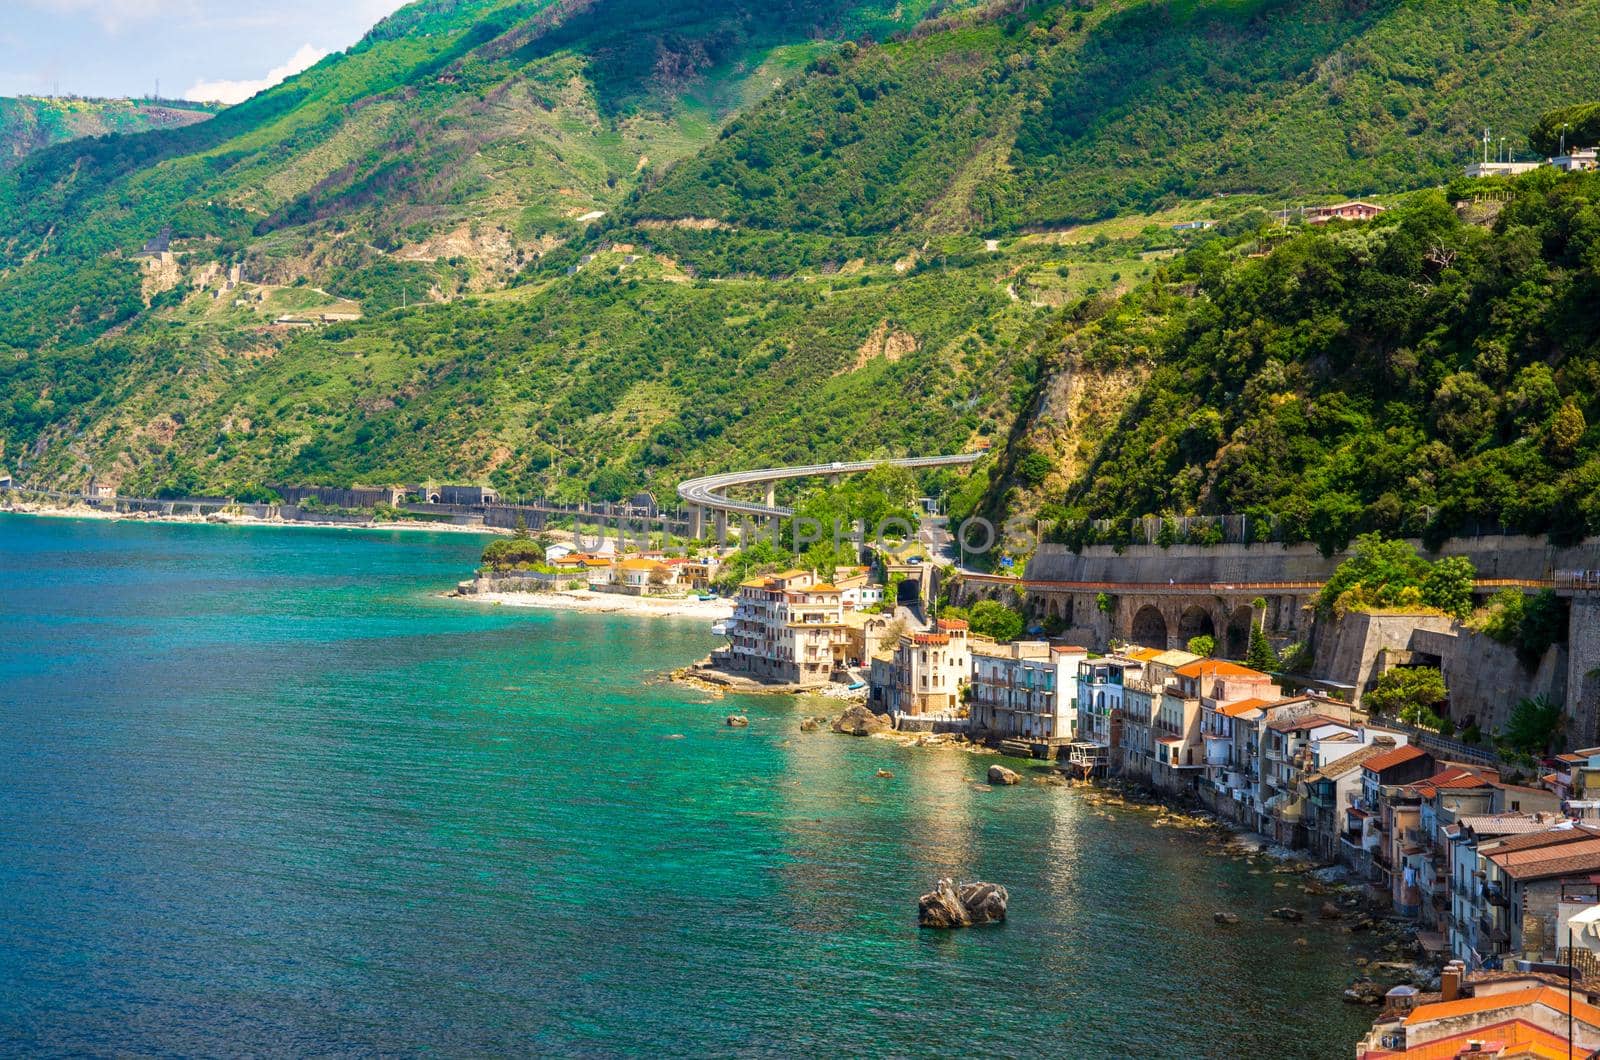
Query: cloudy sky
199	49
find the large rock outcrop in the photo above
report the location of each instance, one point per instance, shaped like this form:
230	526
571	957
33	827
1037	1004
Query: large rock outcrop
948	906
859	721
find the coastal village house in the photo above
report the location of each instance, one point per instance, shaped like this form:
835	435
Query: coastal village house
1509	1014
1332	789
787	628
1025	691
930	670
1233	702
1160	732
1295	745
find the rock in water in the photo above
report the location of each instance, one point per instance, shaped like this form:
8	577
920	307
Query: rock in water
941	908
738	721
1002	775
986	902
947	907
859	721
1225	918
808	725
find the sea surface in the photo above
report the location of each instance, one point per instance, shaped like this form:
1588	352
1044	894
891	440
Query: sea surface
262	792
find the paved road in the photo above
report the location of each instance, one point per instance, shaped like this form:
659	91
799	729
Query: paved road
710	493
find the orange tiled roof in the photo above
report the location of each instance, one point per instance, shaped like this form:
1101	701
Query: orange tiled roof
1563	859
952	623
1243	707
931	638
1218	668
1144	654
1548	996
1399	756
1068	649
1513	1038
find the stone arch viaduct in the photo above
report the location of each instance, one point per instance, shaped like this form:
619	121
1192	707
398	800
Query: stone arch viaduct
1162	597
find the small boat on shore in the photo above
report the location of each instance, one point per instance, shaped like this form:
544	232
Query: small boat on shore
719	629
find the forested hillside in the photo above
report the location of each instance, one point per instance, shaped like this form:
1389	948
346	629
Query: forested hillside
1430	372
602	244
1083	110
29	123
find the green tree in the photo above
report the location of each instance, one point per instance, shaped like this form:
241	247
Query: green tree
1261	656
1567	430
1448	585
1410	694
1534	724
991	618
1204	645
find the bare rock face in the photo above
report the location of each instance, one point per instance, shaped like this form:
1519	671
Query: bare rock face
947	907
1002	775
859	721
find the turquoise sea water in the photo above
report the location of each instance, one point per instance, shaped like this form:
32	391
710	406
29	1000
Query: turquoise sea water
260	792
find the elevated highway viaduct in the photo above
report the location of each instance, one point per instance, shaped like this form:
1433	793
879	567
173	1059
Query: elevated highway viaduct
710	495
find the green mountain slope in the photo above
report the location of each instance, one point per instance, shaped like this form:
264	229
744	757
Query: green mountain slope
607	243
1433	372
1081	112
30	123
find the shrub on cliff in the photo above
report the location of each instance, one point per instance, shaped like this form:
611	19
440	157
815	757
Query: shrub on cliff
1410	694
1385	575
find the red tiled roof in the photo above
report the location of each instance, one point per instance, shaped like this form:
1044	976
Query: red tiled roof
1399	756
1551	836
952	623
1458	778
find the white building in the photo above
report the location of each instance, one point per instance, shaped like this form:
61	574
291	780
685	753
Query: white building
1025	690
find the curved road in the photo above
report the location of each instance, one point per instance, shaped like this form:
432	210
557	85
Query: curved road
709	493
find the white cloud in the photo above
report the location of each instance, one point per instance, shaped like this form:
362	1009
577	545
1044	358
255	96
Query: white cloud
239	91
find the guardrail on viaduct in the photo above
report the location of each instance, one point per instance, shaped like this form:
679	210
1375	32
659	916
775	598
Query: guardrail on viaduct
709	494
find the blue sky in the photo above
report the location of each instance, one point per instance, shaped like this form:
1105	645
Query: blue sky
197	48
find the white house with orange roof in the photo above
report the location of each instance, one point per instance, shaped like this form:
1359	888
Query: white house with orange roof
786	628
1233	700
